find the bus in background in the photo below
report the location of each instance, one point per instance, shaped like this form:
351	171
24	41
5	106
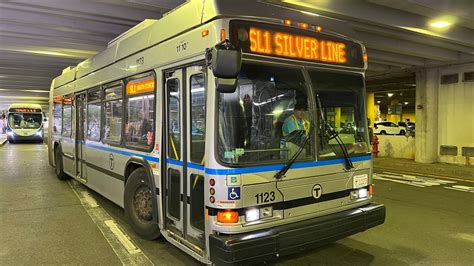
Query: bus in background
25	123
236	132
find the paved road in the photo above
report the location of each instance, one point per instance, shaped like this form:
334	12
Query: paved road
429	221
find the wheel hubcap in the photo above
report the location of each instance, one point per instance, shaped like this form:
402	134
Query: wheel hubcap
142	203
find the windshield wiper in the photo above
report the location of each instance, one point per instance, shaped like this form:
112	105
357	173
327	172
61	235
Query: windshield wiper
292	160
332	134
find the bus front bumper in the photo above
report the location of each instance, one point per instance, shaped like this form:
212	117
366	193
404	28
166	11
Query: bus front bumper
268	244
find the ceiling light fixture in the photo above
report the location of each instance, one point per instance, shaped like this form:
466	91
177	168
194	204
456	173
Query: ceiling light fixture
378	101
389	94
405	103
440	24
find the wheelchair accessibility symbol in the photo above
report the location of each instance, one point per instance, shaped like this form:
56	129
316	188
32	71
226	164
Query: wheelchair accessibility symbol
233	193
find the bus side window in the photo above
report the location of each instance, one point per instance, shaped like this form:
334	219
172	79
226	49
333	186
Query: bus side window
140	112
112	131
174	120
57	116
67	117
198	118
94	114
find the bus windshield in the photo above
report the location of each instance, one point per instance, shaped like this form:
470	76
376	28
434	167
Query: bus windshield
266	119
341	97
24	120
257	122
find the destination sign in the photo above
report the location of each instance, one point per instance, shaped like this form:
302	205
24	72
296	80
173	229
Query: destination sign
294	43
142	85
24	110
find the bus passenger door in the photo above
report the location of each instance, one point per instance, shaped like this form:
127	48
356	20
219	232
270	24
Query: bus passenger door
195	139
173	165
80	140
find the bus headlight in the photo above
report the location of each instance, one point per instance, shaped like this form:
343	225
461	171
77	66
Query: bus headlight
362	193
252	215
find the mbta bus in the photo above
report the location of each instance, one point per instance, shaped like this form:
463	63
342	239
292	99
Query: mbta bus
237	133
25	123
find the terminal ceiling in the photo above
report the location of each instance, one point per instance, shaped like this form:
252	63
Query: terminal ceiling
39	38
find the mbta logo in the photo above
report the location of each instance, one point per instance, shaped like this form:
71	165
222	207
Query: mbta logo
317	191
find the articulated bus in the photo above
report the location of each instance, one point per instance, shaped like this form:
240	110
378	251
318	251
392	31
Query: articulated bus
237	133
25	123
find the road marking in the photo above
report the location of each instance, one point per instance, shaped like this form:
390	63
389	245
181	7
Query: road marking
397	181
126	242
462	188
432	176
464	236
89	200
121	244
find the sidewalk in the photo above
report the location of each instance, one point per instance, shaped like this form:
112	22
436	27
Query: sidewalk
438	169
3	139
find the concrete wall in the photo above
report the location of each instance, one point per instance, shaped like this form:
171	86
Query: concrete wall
456	113
444	114
396	146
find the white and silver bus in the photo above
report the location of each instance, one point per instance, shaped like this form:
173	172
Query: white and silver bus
25	123
237	133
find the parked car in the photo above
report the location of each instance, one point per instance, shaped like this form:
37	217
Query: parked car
384	128
410	127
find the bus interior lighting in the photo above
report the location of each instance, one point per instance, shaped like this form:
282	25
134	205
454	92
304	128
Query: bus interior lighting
227	216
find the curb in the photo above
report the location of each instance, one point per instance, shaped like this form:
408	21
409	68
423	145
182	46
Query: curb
2	142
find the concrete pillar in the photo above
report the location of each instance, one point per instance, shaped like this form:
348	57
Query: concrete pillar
371	108
426	139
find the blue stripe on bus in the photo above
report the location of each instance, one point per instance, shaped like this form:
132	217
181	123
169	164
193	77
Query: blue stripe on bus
276	167
246	170
122	152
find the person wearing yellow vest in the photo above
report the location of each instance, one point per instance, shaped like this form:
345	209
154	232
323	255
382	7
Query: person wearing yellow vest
296	121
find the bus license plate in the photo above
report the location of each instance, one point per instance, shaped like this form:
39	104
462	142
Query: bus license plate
360	181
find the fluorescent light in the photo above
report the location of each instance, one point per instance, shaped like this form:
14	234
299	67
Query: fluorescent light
405	103
389	94
378	101
440	24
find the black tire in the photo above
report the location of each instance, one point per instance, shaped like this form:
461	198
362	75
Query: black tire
383	132
59	165
138	205
402	132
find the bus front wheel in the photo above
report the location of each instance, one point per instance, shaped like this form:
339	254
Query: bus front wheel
59	165
138	205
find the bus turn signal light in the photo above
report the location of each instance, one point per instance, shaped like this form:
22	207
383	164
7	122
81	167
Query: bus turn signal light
227	216
370	191
204	33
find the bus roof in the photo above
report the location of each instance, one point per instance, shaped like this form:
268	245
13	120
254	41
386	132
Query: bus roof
24	105
151	32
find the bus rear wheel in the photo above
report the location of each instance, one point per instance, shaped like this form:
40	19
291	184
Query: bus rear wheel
138	205
59	165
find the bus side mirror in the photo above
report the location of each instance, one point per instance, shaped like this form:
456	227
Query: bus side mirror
225	61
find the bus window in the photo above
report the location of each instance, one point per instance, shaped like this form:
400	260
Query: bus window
140	112
57	113
67	118
174	120
198	118
342	100
93	114
252	119
113	114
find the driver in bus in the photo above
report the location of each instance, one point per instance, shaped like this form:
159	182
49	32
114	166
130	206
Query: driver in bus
296	121
296	128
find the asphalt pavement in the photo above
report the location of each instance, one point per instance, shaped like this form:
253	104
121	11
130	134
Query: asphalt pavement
47	221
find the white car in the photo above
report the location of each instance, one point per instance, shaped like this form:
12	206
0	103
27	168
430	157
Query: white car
384	128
